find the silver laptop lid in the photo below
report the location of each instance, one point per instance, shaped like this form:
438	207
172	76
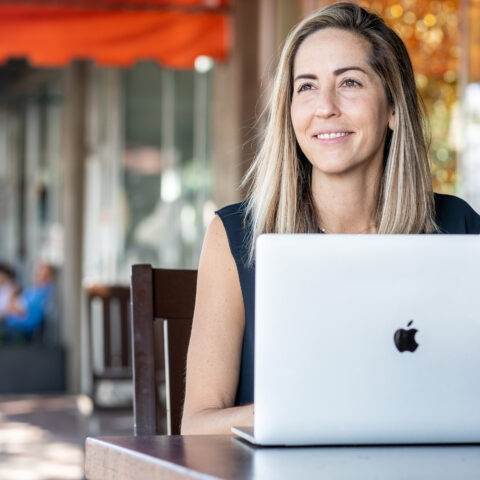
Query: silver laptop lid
329	309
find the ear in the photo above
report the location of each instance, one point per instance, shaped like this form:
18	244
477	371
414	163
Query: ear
391	121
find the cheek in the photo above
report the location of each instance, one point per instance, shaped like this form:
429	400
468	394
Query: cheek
297	116
293	115
374	120
381	121
380	115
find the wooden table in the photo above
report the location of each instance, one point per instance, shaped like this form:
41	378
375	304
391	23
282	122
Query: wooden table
212	456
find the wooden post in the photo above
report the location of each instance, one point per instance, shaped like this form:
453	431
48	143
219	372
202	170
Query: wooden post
241	88
74	153
235	98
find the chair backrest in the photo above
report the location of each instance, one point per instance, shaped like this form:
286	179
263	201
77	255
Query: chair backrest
116	358
162	311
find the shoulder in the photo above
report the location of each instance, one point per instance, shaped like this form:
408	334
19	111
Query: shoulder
233	213
454	215
225	229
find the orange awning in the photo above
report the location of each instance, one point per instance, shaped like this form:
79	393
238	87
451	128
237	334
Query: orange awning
114	32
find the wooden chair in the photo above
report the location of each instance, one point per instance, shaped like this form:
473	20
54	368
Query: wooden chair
117	363
162	312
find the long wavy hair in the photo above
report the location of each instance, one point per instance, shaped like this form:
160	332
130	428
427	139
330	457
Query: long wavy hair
280	197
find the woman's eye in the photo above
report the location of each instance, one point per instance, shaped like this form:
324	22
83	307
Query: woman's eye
304	87
349	82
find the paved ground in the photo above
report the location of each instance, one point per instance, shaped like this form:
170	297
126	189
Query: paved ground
42	437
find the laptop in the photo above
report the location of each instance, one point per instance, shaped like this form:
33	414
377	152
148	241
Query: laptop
366	339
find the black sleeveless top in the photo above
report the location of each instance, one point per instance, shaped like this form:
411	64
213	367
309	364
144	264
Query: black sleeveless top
453	215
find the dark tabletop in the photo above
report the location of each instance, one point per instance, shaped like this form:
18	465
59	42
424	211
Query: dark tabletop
211	456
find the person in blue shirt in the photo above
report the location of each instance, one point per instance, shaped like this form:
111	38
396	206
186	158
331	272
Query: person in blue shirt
26	313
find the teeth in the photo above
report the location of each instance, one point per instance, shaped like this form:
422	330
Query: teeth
324	136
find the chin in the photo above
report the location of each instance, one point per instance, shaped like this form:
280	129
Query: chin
338	166
333	168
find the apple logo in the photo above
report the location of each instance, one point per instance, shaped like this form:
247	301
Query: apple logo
405	339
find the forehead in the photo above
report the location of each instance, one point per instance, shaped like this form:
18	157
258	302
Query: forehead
331	48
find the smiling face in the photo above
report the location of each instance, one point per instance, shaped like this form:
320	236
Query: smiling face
339	108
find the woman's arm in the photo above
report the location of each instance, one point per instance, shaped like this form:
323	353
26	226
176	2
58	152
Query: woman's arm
214	353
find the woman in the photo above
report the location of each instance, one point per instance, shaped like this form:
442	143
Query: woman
344	152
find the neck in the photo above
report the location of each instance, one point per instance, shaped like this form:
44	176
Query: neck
346	205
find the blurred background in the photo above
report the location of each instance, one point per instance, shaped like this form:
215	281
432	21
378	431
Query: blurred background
124	124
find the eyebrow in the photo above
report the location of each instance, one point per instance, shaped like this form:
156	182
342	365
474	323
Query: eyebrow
338	71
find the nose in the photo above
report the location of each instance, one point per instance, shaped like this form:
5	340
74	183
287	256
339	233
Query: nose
326	105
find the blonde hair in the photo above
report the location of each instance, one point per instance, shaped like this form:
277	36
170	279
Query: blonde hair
280	198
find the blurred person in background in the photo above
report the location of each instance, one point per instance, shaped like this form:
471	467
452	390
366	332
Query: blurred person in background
25	315
8	288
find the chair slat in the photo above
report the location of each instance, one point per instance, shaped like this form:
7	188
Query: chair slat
124	304
178	339
144	396
107	333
